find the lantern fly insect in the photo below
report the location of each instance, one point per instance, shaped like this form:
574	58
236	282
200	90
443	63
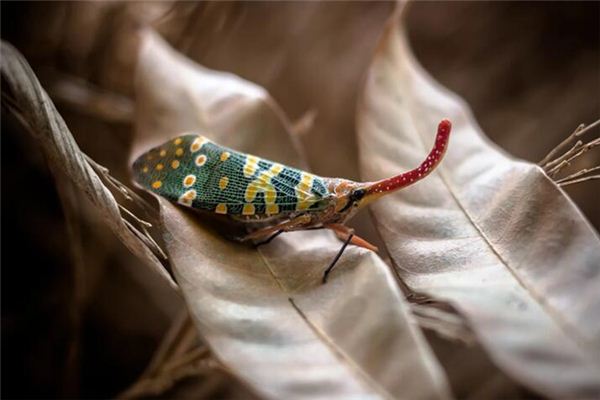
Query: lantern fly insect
268	198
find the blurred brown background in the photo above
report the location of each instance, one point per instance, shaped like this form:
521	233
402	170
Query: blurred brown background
85	324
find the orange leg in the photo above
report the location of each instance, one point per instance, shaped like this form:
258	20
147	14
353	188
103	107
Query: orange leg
347	235
343	232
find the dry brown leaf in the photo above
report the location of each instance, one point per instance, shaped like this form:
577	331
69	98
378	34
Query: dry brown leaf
491	235
263	312
63	154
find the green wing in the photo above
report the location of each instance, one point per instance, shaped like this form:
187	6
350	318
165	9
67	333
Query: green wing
198	173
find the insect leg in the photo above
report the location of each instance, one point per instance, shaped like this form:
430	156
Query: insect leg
268	240
337	257
342	232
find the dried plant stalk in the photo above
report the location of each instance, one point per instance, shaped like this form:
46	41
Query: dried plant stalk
579	150
179	356
587	178
578	174
553	165
555	150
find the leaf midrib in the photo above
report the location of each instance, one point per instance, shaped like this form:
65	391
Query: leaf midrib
554	314
325	339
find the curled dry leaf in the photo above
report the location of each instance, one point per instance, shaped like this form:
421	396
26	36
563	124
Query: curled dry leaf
492	235
63	154
263	312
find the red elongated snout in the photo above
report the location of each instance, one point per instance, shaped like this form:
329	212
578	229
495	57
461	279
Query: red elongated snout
389	185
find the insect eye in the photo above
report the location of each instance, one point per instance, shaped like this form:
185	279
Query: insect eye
357	194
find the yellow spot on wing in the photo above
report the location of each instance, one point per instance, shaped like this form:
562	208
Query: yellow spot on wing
159	166
248	209
174	164
187	198
303	192
198	143
179	152
221	208
223	182
270	195
163	153
200	160
189	180
272	209
177	141
156	184
251	192
225	155
250	166
263	184
276	169
145	169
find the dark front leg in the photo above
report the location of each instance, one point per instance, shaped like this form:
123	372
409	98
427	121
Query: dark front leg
337	257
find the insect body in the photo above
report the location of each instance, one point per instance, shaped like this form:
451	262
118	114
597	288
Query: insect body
267	197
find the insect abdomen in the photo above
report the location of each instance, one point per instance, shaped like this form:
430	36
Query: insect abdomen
195	172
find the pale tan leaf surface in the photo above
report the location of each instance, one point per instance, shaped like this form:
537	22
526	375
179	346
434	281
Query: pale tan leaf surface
493	236
234	112
62	152
264	313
